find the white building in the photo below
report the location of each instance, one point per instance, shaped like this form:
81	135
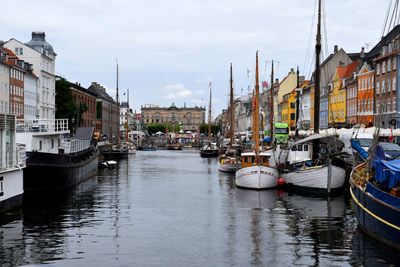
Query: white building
4	84
30	95
41	55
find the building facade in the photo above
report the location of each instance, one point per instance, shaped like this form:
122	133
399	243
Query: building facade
327	69
4	83
365	95
41	55
84	98
188	118
107	112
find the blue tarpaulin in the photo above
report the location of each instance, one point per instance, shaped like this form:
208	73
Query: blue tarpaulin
388	172
355	144
267	139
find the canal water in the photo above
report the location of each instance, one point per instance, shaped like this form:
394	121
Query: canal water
173	208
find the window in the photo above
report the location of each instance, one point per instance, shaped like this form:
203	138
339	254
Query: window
394	84
378	69
388	65
383	67
52	143
383	86
40	145
378	87
394	63
389	84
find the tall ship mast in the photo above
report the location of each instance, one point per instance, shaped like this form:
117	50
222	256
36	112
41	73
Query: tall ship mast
209	116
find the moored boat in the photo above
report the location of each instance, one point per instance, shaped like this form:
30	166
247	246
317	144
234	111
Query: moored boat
229	159
12	163
256	172
318	176
209	151
375	193
54	160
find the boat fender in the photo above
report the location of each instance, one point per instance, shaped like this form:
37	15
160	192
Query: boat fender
281	182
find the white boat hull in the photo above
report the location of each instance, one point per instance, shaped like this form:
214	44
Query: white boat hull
316	178
256	177
11	189
228	167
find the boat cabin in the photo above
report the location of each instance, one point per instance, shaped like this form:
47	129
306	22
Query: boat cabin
249	159
300	153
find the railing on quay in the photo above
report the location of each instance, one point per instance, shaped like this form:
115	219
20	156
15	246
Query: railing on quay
42	125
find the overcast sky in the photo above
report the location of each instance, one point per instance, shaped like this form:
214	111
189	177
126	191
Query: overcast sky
169	51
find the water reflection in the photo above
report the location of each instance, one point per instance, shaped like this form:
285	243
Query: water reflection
169	208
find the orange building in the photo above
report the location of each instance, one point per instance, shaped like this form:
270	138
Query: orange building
365	105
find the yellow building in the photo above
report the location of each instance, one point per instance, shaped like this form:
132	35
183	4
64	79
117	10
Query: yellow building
337	95
285	87
284	109
292	109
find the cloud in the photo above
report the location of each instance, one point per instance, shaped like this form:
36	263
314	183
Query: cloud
176	92
200	92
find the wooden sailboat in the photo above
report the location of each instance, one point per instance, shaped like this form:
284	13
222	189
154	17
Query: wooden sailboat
230	160
309	166
256	172
209	150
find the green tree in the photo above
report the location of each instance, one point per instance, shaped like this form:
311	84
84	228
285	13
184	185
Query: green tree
204	129
65	105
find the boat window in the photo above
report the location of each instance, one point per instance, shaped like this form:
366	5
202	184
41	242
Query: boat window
40	145
52	143
299	148
294	148
305	147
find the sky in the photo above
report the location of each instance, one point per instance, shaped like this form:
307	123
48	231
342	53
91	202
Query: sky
169	51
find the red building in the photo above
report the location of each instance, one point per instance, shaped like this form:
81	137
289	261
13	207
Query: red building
86	102
16	104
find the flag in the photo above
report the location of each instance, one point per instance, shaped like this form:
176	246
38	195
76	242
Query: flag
125	93
248	73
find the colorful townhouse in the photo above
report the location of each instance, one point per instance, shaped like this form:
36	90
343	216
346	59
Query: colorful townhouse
285	87
351	87
365	95
385	59
305	106
327	69
337	95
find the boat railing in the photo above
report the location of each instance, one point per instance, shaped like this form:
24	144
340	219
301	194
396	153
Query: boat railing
42	125
13	159
74	146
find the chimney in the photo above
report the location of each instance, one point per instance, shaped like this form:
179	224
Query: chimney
335	49
362	53
291	71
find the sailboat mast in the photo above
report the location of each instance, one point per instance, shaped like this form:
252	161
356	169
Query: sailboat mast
317	72
297	103
317	84
117	98
271	117
209	117
256	111
232	111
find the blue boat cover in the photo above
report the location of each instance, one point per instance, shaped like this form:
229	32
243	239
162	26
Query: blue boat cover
267	139
383	196
355	144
